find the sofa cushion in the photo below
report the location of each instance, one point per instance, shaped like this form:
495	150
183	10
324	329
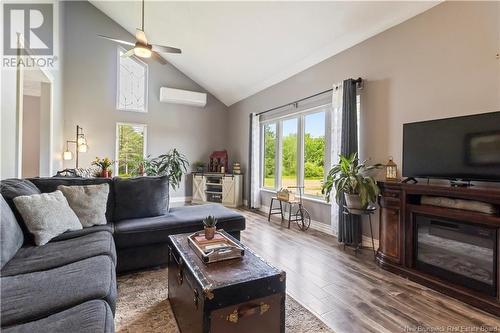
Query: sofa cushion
11	235
85	231
88	202
47	215
90	317
50	184
11	188
145	231
56	254
140	197
33	296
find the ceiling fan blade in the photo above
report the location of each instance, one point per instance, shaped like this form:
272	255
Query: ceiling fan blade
117	40
128	53
156	56
166	49
141	37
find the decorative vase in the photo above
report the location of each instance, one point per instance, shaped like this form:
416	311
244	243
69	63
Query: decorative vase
353	201
209	232
105	173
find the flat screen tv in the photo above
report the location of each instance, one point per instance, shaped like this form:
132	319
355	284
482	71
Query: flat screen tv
466	148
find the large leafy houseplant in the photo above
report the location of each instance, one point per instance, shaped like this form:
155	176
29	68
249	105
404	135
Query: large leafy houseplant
350	178
172	164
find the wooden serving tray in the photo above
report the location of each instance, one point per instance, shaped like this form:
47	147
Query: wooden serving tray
217	249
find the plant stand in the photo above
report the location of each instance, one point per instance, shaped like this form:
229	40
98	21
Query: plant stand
368	211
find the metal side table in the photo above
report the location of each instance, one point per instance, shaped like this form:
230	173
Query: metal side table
368	211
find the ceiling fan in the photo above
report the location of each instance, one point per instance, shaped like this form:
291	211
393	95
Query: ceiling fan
141	48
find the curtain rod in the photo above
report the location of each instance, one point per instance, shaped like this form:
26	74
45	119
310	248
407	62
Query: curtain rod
357	81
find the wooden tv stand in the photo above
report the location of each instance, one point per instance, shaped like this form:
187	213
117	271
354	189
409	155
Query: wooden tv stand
399	206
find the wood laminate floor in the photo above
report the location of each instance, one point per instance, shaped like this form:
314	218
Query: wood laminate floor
351	293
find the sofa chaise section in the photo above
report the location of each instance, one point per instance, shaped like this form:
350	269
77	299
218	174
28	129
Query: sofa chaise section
32	296
151	230
90	317
56	254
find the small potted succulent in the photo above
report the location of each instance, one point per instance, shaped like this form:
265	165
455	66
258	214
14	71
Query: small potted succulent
105	165
210	223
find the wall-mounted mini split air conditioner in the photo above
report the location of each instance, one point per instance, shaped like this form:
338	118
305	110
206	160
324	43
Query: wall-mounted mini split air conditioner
185	97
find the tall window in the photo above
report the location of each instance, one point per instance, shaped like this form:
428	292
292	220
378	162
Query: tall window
269	165
303	145
314	152
130	148
132	88
289	153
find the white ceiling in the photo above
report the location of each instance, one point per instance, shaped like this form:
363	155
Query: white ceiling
236	49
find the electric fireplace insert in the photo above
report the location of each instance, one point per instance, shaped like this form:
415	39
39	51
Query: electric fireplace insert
464	254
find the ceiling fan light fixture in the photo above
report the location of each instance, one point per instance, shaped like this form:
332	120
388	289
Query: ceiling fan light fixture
142	51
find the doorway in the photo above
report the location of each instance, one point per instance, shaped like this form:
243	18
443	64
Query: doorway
35	124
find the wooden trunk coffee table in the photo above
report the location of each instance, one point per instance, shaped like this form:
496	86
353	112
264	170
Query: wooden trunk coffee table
238	295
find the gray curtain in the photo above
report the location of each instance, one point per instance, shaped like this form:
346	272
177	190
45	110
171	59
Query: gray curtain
349	225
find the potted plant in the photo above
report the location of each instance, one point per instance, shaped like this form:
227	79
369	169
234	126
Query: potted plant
172	164
351	180
105	165
199	166
210	224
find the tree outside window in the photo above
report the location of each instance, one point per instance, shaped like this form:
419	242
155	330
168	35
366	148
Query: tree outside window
269	167
314	153
289	153
131	143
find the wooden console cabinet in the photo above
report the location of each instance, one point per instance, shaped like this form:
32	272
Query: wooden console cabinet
399	206
223	188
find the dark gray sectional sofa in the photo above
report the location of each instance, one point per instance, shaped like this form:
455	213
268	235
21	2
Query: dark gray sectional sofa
69	284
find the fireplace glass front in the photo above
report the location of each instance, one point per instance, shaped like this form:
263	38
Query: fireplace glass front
461	253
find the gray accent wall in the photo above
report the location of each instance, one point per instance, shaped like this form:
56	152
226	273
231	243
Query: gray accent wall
441	63
90	77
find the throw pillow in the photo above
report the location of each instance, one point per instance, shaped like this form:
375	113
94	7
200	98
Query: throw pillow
11	235
140	197
11	188
88	202
47	215
50	184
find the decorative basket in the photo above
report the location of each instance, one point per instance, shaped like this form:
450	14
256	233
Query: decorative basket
285	195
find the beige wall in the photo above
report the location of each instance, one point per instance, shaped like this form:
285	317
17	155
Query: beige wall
31	136
90	74
441	63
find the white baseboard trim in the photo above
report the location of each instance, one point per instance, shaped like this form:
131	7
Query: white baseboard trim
180	199
316	225
366	241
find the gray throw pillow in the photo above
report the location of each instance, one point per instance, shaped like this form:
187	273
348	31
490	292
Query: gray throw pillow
88	202
47	215
140	197
11	188
11	236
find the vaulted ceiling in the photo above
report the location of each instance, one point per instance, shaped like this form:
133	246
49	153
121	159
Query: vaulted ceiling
236	49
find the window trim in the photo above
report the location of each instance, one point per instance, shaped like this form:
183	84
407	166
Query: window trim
117	144
146	82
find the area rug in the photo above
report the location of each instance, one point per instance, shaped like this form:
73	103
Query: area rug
143	306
